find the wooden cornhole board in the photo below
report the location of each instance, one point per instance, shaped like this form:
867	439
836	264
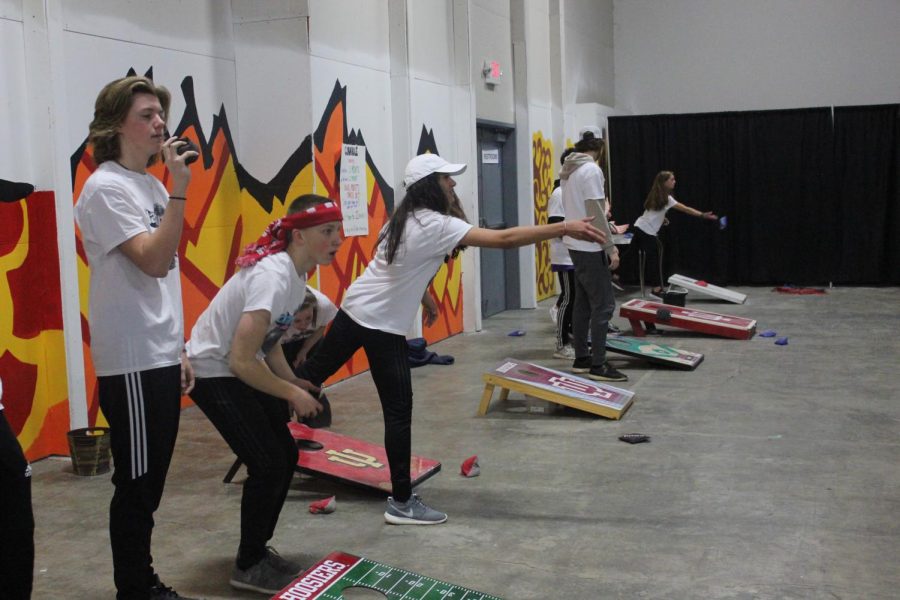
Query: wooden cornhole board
554	386
653	353
639	311
349	460
701	287
328	578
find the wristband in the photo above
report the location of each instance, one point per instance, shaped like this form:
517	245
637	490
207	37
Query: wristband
177	198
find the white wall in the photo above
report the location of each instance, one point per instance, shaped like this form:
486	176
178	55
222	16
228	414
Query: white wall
15	148
719	55
588	51
491	40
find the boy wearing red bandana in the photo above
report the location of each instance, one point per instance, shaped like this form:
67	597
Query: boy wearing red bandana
245	386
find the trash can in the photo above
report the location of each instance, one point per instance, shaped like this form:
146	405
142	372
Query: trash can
674	296
89	449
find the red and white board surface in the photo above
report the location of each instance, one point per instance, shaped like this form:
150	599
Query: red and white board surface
350	460
555	386
639	311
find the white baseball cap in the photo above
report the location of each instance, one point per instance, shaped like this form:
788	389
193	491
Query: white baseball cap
425	164
593	130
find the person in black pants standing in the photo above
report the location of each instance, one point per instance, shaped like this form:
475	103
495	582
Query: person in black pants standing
131	227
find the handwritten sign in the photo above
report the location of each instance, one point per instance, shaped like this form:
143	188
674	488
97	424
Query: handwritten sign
354	190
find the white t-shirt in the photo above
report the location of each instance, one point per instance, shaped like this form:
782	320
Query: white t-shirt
586	182
136	320
559	254
652	220
272	284
325	312
387	296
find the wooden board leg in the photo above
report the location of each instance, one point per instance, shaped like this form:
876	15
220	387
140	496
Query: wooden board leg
637	328
485	399
504	394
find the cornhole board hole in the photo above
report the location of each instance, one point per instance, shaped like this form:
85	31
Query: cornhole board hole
639	311
654	353
554	386
349	460
708	289
331	576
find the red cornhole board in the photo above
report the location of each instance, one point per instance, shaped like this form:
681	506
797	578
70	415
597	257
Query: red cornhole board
554	386
349	460
328	578
639	312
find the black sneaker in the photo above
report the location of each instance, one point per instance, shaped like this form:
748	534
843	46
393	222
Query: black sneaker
612	328
160	591
606	373
581	365
657	294
323	419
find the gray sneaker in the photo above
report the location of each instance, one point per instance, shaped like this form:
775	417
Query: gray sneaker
282	564
263	577
412	512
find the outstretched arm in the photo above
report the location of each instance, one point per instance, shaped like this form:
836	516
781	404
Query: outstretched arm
529	234
694	212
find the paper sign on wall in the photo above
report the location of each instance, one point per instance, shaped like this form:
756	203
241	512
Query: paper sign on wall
354	190
490	157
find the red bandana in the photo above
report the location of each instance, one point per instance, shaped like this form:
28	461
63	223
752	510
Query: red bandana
275	237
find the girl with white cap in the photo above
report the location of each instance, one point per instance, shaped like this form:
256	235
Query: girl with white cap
426	228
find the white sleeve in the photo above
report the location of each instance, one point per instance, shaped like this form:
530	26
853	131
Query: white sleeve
593	185
265	290
110	217
452	231
325	309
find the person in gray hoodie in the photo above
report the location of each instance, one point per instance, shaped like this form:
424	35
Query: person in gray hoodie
583	195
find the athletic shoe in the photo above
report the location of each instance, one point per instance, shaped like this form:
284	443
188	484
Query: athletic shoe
263	577
612	328
658	294
581	365
160	591
280	563
566	352
606	373
412	512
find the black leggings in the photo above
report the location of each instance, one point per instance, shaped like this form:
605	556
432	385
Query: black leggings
565	304
16	518
255	426
652	248
388	355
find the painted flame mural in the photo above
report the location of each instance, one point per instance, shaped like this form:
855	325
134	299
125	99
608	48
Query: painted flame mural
227	209
542	182
32	350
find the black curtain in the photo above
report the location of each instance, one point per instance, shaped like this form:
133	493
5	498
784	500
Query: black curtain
867	154
773	175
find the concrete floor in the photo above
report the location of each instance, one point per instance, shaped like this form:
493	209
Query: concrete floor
773	472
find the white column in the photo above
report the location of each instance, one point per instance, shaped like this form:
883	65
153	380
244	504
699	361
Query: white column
45	82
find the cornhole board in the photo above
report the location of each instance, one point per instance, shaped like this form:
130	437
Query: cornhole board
639	311
349	460
554	386
654	353
708	289
328	578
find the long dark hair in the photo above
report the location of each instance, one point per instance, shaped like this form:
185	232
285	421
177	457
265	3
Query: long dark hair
658	196
423	194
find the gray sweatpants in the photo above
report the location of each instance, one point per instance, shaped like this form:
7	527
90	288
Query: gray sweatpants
594	304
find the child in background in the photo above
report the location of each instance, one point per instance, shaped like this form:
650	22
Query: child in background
647	226
561	264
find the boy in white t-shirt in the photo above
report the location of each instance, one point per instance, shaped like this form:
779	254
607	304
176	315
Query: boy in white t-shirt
583	184
245	386
131	228
426	228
